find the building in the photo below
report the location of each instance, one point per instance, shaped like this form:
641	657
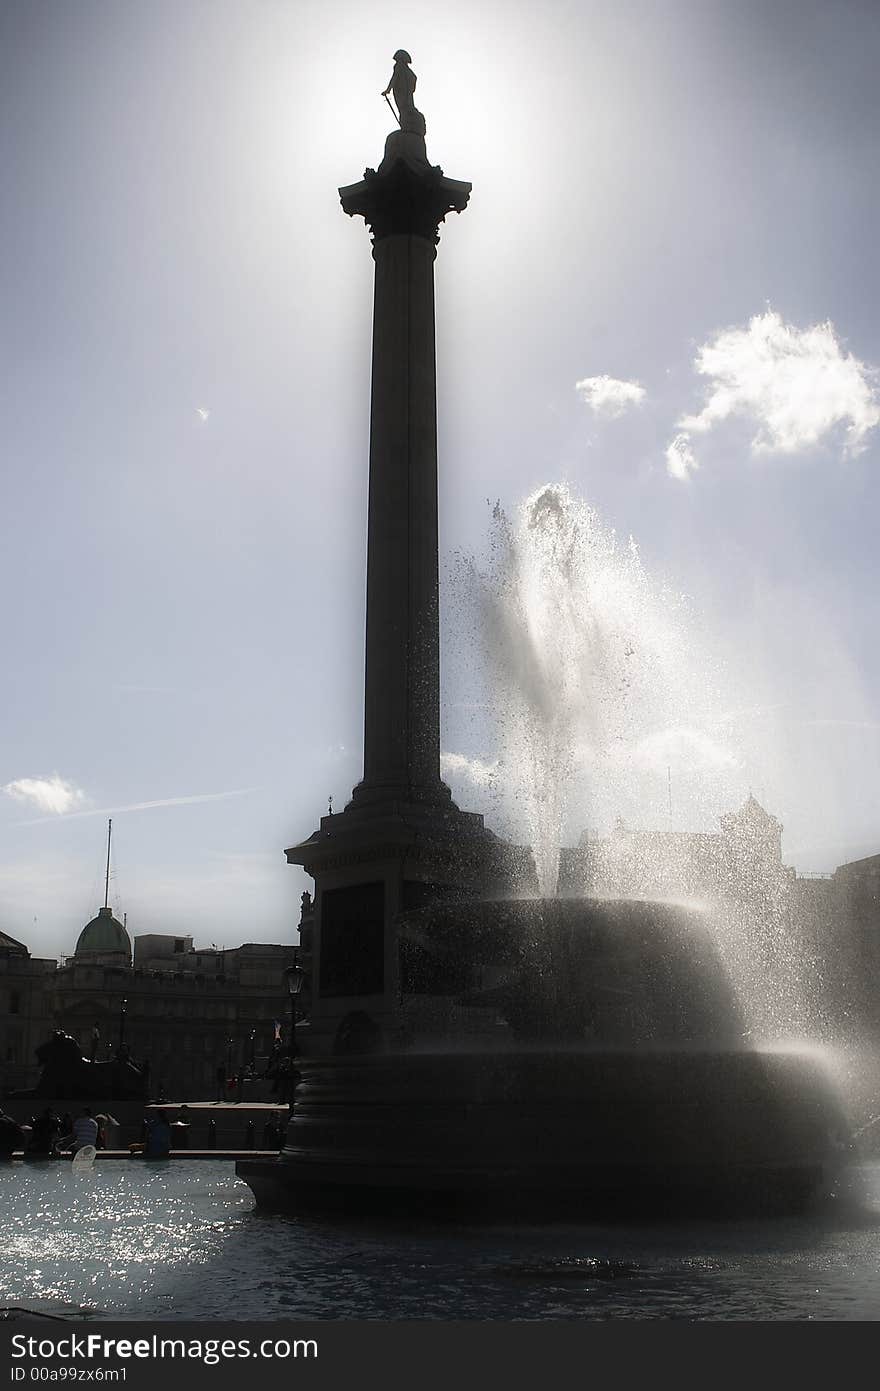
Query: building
25	1011
804	948
741	860
184	1012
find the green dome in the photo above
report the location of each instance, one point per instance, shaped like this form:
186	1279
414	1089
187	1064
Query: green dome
104	934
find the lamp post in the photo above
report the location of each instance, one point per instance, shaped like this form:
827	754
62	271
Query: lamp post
122	1012
296	979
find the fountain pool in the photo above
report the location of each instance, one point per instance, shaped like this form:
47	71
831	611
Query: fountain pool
184	1241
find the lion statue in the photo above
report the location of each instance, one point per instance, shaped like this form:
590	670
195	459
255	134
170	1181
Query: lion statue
68	1076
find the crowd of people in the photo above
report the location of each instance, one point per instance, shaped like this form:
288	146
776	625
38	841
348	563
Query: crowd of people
50	1136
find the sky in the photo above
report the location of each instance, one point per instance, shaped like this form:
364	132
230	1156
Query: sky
662	295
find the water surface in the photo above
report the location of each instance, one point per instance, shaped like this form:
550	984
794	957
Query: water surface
183	1240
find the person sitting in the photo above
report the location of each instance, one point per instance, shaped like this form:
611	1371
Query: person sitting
11	1136
158	1144
85	1129
108	1131
45	1128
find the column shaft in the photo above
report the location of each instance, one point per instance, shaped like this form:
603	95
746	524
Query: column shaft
402	689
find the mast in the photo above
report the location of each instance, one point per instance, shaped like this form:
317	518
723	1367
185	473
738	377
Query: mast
107	875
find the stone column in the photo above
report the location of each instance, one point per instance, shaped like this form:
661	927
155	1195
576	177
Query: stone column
401	842
403	203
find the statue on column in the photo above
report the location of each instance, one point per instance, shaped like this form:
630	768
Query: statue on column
402	86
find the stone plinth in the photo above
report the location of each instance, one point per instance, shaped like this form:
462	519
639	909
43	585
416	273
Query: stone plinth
371	865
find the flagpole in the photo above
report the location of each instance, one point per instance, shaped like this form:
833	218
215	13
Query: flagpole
107	875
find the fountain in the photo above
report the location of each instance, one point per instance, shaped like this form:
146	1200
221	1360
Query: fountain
475	1042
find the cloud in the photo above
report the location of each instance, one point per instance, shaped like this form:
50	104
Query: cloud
679	748
202	413
149	806
473	770
681	461
53	794
797	385
609	397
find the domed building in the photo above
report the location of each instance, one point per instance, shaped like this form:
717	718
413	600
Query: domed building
187	1013
103	942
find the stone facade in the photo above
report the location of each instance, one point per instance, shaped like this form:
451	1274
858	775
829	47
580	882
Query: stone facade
182	1011
25	1010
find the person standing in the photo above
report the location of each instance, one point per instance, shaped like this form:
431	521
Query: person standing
180	1129
158	1144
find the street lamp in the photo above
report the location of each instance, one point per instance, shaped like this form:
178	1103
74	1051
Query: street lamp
296	979
122	1012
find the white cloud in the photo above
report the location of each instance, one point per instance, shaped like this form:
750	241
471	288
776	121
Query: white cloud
458	766
684	751
52	794
681	461
796	384
609	397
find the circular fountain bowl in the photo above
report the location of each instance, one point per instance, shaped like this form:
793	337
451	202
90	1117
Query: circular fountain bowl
627	1085
594	1131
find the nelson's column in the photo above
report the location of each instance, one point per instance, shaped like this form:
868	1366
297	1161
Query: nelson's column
401	842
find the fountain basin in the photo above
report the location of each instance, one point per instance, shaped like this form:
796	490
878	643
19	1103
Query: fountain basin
622	1080
589	1130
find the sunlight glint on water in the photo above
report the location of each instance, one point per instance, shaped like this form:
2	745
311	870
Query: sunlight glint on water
182	1241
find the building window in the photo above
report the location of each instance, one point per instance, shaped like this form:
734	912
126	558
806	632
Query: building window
179	944
14	1002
